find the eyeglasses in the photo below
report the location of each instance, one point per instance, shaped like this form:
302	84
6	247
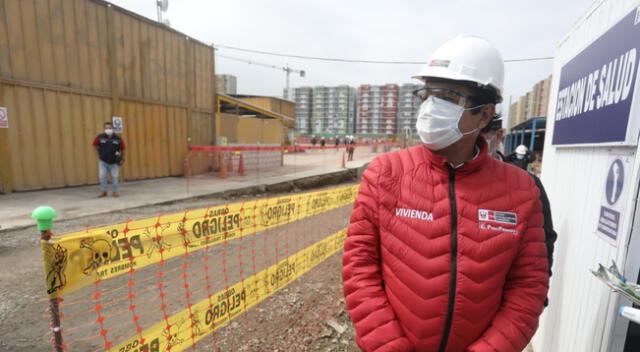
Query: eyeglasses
447	94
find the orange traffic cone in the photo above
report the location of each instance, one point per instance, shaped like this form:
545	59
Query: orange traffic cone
343	165
241	166
223	168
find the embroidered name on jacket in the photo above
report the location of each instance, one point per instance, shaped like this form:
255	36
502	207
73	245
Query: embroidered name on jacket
502	217
414	214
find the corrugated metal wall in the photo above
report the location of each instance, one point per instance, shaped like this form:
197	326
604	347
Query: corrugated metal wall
582	311
67	66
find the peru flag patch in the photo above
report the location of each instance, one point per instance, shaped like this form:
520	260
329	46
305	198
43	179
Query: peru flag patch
502	217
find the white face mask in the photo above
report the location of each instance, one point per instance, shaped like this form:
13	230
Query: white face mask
108	131
438	121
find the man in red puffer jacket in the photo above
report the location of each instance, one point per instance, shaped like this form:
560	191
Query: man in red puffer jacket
445	249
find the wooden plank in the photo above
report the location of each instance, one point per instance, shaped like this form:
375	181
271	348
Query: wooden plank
5	54
173	70
55	154
142	135
89	130
10	101
152	58
82	42
136	69
6	173
30	37
133	151
181	126
59	57
138	136
70	43
27	142
127	73
43	24
16	39
96	66
79	141
171	143
42	140
120	53
155	154
64	111
162	65
183	73
144	60
104	30
163	141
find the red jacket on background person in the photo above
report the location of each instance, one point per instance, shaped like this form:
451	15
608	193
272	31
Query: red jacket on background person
435	253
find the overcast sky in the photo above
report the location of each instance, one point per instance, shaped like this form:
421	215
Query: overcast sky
373	30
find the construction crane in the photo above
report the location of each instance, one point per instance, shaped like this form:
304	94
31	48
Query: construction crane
288	70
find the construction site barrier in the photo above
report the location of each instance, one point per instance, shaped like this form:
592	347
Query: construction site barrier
291	149
238	159
150	284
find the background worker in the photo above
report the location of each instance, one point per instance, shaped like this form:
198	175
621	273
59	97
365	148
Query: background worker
522	157
110	149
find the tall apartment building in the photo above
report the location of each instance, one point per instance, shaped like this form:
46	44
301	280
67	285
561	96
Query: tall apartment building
226	84
377	109
534	103
303	97
331	109
407	108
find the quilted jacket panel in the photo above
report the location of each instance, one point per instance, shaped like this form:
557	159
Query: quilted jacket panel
398	262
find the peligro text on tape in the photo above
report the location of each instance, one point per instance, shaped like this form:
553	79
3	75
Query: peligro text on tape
180	331
76	260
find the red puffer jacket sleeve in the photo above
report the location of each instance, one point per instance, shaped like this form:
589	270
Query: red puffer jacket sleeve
377	328
524	293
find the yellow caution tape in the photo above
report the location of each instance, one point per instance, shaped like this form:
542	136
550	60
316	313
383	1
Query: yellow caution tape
210	314
78	259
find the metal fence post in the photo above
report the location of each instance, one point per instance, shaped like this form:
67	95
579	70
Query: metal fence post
44	216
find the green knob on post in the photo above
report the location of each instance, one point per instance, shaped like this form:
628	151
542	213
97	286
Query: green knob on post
44	216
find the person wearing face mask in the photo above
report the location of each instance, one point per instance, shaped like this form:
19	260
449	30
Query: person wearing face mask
522	157
445	248
110	148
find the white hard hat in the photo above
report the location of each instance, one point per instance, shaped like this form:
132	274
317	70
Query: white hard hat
467	58
521	149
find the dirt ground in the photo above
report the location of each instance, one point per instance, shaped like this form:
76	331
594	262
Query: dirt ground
307	315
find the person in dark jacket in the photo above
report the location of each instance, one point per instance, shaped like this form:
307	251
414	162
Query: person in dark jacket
494	134
522	157
351	148
110	149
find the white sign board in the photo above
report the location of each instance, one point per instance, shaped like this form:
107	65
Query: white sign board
118	125
612	207
4	118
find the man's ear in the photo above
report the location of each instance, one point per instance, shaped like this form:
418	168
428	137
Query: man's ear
486	115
